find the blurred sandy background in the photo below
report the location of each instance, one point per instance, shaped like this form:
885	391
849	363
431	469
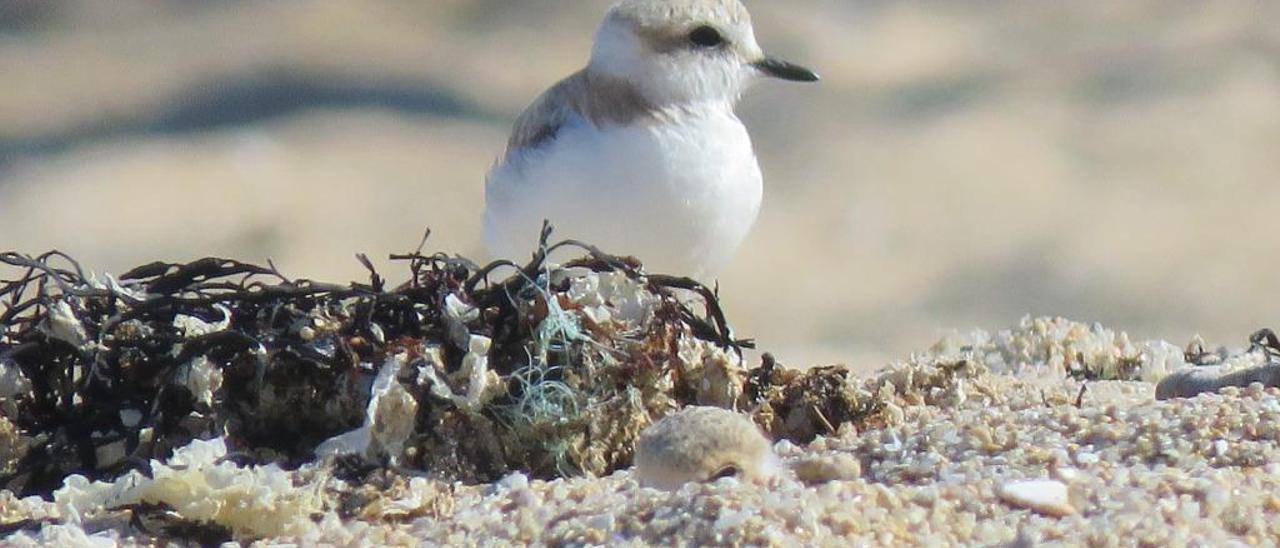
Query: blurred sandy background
965	162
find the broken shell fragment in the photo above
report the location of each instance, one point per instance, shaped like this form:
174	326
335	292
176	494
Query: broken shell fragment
389	418
1048	497
702	444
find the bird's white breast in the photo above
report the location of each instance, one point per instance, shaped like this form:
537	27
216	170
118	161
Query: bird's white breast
680	193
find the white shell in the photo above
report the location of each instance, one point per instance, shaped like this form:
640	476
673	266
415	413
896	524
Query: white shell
1049	497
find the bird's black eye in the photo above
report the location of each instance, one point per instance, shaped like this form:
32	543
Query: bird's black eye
706	36
729	471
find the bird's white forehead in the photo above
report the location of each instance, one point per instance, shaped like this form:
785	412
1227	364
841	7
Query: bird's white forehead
666	13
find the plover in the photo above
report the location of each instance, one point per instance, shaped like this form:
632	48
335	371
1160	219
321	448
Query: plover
699	444
641	152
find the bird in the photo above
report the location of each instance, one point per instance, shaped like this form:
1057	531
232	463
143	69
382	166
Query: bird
641	153
703	444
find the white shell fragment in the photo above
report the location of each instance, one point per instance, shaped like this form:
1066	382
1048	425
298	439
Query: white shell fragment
458	314
475	365
1159	358
108	282
702	444
12	381
202	377
482	383
388	419
64	326
193	327
201	485
1048	497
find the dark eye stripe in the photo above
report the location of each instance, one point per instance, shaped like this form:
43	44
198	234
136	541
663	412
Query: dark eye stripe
706	36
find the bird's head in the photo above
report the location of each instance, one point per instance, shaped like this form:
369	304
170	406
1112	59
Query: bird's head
680	51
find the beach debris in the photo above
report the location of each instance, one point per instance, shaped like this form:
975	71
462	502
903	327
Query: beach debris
496	375
1064	347
201	377
799	405
819	469
12	447
1090	352
1260	364
388	422
194	327
1189	382
1048	497
200	485
1159	359
12	381
698	444
465	372
61	324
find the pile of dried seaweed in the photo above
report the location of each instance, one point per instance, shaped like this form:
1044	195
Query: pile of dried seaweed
553	369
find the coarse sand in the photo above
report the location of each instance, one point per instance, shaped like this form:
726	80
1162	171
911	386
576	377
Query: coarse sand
1023	454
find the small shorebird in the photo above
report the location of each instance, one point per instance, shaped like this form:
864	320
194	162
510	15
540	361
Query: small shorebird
640	152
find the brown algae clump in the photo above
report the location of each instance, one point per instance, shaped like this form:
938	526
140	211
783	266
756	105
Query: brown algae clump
465	372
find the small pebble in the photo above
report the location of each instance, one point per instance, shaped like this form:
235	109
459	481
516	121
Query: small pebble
1048	497
1066	474
823	469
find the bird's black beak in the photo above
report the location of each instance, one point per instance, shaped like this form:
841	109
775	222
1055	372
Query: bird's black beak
778	68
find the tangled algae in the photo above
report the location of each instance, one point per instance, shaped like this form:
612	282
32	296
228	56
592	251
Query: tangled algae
465	372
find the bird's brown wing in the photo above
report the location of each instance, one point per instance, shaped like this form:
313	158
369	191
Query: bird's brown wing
599	100
540	122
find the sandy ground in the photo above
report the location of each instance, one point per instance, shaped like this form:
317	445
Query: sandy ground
962	164
1011	452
